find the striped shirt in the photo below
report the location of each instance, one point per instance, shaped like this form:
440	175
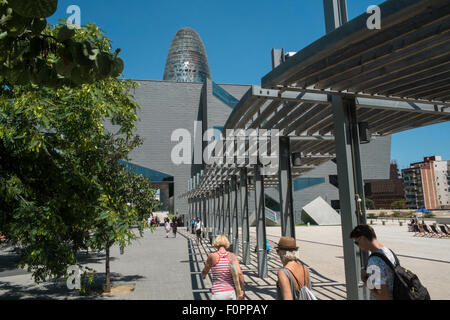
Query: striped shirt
222	278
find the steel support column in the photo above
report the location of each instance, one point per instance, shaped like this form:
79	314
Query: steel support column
350	185
226	216
205	213
195	207
204	218
213	216
234	215
188	223
335	14
244	216
208	215
221	209
192	211
217	213
260	222
285	185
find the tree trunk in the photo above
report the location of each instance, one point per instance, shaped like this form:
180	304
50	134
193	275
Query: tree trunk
108	273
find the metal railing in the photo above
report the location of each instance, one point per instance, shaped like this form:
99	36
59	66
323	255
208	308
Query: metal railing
273	215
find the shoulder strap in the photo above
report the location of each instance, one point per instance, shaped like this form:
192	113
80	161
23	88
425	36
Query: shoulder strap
298	282
306	283
386	259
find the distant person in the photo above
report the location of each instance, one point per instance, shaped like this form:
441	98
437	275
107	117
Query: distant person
219	262
199	229
267	247
294	275
365	238
157	222
167	227
411	225
193	226
149	221
174	227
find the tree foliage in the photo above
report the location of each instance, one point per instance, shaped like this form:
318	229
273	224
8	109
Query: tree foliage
35	54
399	204
370	204
62	188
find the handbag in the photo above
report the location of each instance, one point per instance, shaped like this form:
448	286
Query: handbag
235	274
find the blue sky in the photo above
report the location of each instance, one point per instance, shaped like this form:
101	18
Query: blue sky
238	36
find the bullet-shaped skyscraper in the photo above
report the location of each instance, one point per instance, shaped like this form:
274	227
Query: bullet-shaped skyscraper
187	60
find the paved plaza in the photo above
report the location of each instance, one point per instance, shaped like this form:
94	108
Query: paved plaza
169	268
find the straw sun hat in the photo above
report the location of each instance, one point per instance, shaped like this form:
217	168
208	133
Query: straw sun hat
286	243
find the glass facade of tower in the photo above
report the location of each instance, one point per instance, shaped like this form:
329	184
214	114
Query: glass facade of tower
187	60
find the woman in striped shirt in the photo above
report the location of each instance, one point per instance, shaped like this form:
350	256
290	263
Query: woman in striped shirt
219	263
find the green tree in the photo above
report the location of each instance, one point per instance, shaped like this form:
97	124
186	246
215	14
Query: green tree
62	188
370	204
399	204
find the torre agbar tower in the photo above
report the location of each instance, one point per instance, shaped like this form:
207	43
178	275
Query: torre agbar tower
187	60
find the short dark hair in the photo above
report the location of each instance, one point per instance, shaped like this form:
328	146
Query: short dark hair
363	230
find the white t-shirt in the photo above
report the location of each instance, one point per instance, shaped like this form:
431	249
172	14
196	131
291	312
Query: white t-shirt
167	225
198	225
386	275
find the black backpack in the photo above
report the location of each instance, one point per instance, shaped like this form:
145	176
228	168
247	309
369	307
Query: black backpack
407	285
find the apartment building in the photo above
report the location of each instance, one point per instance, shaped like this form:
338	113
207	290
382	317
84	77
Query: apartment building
427	184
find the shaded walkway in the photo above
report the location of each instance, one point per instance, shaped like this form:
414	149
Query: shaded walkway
256	288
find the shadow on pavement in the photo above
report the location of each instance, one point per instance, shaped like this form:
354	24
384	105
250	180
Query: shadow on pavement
324	287
54	288
57	289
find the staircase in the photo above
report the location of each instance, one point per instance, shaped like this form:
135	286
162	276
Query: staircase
272	217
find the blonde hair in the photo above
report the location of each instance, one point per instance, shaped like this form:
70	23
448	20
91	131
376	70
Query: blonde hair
287	256
221	241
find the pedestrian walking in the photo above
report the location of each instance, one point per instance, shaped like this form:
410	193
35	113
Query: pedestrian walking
365	238
167	227
384	276
157	221
221	263
193	226
294	282
382	289
174	227
199	229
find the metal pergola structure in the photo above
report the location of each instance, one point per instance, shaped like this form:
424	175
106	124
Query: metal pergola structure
321	100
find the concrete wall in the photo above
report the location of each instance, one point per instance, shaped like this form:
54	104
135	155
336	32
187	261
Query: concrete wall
164	107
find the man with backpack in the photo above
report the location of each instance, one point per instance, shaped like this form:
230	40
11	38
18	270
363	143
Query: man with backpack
384	276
